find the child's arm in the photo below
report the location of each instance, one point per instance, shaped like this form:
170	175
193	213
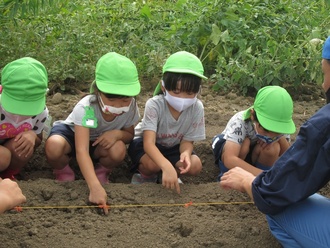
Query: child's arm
245	148
284	145
230	158
170	177
97	193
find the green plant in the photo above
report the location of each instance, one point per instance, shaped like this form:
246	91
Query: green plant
243	45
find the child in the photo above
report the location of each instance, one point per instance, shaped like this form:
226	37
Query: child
326	68
23	113
255	138
99	127
172	122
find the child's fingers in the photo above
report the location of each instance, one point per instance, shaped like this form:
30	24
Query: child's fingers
96	142
183	170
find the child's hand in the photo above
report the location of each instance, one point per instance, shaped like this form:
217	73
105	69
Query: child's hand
97	195
24	143
170	179
185	163
106	140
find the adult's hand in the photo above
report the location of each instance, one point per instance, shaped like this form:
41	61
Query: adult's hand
10	195
237	179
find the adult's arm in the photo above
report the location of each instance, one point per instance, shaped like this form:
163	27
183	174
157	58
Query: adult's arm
301	171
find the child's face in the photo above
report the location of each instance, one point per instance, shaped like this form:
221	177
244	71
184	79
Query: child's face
266	135
178	93
115	106
179	100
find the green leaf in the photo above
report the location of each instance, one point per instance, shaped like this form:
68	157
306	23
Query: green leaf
145	12
215	35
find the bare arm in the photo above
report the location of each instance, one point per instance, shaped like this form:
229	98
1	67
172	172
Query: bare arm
284	145
97	193
230	158
170	177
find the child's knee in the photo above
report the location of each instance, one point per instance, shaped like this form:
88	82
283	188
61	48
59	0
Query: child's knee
196	166
53	149
118	152
5	156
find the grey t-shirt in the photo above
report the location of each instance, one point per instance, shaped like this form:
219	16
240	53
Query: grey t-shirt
125	120
170	132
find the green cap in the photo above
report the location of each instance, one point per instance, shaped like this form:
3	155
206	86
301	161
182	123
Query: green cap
116	74
24	86
274	108
184	62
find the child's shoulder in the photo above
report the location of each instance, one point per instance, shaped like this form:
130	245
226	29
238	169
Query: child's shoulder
156	99
199	103
86	100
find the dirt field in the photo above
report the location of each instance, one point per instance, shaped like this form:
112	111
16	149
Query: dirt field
204	215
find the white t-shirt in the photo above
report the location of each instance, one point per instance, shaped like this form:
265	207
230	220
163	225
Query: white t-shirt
170	132
9	129
125	120
238	129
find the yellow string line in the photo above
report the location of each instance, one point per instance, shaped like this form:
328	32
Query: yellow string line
137	205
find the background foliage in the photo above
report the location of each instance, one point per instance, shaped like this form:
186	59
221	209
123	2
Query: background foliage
243	44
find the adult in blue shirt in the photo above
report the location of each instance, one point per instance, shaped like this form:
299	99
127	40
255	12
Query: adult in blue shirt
326	68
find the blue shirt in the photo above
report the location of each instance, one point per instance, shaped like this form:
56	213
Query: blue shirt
301	171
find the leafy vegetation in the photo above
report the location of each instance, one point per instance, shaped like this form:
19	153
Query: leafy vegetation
243	44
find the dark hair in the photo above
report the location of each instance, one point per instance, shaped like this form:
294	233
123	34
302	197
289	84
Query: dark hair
255	116
96	90
107	95
256	119
189	82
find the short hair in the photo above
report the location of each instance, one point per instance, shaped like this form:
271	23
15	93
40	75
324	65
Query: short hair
189	82
107	95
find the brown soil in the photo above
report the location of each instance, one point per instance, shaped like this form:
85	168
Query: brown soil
203	215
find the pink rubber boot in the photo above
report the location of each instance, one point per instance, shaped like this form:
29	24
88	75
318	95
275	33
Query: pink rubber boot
102	173
64	175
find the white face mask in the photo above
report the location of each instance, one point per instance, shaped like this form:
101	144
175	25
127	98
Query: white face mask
107	109
178	103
